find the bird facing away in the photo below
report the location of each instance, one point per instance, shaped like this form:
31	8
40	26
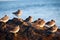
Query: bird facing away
4	19
13	29
50	23
53	29
39	24
29	19
18	13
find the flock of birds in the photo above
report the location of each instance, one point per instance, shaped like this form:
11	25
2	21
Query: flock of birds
37	24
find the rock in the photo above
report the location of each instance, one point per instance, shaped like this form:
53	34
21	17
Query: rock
27	31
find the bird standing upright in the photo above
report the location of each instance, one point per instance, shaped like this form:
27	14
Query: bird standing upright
18	13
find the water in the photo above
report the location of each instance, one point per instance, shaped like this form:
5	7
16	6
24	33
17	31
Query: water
45	9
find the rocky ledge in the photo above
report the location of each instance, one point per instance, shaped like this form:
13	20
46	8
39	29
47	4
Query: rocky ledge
26	31
19	29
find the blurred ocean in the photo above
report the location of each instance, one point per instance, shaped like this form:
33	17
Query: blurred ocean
45	9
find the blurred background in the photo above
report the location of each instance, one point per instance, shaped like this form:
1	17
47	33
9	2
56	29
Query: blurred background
45	9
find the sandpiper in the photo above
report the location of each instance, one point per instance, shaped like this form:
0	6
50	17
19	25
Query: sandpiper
13	30
4	19
41	23
53	29
38	25
18	13
37	20
50	23
29	19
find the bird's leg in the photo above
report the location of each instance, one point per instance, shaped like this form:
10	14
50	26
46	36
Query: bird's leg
15	34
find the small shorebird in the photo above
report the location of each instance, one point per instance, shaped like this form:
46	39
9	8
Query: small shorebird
53	29
37	20
4	19
29	19
50	23
39	24
13	29
18	13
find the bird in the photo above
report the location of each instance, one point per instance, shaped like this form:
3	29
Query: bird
39	24
4	19
18	13
53	29
29	19
37	20
13	29
50	23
